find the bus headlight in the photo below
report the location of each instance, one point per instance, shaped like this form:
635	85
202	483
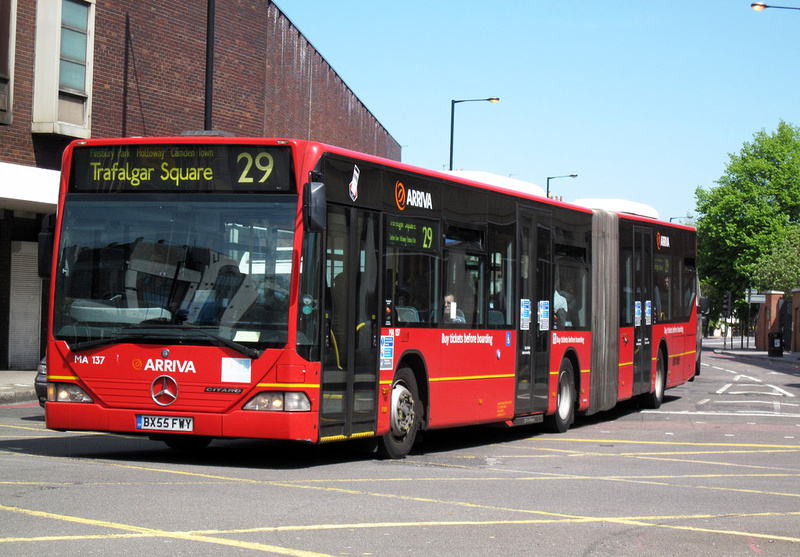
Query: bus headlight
279	401
66	392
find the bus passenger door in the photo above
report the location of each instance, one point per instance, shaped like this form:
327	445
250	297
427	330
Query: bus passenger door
350	353
642	317
535	296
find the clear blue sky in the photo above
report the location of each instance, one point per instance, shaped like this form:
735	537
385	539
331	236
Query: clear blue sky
644	100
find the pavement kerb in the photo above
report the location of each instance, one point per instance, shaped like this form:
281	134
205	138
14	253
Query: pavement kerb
17	386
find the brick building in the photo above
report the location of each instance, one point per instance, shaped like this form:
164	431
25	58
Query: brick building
73	69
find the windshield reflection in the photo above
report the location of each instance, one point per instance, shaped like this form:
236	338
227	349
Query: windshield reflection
163	267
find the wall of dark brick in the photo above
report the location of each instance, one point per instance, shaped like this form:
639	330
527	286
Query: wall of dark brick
16	142
268	79
149	79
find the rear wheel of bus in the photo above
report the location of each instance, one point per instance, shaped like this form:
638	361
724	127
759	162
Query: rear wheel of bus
653	400
565	400
406	416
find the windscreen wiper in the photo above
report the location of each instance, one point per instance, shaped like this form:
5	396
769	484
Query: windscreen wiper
241	348
96	343
138	335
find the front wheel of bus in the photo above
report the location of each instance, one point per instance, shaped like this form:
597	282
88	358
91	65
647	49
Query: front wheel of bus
406	416
565	400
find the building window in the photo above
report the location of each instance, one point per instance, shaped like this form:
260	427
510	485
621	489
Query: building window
72	66
8	20
63	75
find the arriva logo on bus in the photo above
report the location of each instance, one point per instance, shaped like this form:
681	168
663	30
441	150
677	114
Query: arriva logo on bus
169	366
411	198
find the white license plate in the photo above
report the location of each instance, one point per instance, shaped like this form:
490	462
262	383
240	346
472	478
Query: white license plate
165	423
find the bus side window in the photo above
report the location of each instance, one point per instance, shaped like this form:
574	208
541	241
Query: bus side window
626	293
310	310
662	300
465	271
410	286
501	275
465	279
571	293
688	277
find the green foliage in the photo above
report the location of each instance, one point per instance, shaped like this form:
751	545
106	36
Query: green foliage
753	209
780	269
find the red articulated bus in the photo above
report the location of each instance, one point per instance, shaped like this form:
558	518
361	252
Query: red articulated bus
210	287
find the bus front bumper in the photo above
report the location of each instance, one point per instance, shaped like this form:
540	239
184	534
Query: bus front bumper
297	426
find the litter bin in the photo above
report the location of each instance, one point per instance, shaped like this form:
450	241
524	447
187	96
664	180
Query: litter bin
775	344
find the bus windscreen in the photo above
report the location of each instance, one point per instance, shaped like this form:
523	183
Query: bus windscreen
166	267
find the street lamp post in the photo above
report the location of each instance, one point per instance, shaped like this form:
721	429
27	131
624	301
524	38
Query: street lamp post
554	177
453	114
761	6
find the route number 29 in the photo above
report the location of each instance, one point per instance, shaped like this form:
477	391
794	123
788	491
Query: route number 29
263	162
427	237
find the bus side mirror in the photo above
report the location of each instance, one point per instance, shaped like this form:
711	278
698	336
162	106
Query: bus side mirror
314	207
702	305
46	239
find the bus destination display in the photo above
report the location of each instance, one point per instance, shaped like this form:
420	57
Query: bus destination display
410	233
175	168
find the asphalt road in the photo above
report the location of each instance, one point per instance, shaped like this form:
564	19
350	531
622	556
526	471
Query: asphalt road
714	471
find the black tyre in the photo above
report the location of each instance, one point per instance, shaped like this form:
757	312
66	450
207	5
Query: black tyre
406	416
697	363
654	399
565	400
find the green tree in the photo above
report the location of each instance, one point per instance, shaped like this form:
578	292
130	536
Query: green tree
780	269
754	206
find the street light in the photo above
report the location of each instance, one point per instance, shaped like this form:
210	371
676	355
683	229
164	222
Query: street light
554	177
453	114
761	6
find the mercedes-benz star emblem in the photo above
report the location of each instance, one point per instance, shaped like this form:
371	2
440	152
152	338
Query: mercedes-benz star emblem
164	390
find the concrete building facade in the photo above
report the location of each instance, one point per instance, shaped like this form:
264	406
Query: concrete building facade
72	69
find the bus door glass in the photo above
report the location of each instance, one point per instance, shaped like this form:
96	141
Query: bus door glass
535	298
349	362
643	310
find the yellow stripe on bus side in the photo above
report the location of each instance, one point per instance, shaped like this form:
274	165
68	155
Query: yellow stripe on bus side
471	378
288	386
582	371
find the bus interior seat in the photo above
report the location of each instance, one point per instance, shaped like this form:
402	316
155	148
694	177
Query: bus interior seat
407	314
496	317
